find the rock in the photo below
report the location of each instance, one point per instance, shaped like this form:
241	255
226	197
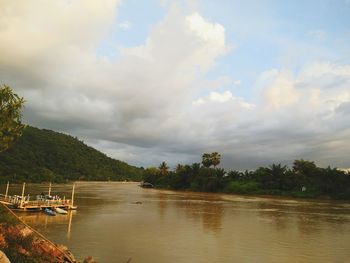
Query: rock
89	259
2	239
3	258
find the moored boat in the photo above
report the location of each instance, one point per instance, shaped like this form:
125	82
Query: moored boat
49	212
146	185
61	211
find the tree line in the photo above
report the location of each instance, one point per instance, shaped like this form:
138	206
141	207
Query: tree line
303	179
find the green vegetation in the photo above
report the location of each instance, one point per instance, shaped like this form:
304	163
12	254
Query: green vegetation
10	117
6	217
304	179
44	155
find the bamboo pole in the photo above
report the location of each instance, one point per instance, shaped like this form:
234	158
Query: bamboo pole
72	200
24	186
50	188
7	189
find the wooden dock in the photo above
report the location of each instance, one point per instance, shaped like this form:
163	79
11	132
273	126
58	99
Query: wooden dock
22	202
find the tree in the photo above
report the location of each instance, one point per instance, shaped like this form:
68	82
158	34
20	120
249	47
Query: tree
306	171
304	167
10	117
215	158
164	168
220	172
209	159
179	168
206	160
276	174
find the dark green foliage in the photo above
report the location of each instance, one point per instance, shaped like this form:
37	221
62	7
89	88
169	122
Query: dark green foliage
14	256
242	187
273	180
10	117
44	155
6	218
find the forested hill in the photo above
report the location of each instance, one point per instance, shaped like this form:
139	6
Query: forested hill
45	155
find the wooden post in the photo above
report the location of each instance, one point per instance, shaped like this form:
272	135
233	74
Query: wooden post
24	186
72	200
69	223
7	189
50	188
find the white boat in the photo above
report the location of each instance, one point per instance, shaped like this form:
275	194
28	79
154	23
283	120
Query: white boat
60	211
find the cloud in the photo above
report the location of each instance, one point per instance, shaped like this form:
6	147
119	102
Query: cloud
125	25
50	59
153	102
215	97
280	92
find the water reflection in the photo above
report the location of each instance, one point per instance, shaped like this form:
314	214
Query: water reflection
207	213
272	213
42	221
162	204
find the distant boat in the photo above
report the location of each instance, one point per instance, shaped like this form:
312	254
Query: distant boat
146	185
49	212
61	211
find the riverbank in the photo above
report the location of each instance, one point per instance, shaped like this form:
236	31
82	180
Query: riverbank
21	243
254	192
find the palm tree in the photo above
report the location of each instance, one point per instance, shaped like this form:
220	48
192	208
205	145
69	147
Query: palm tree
215	158
220	172
163	168
179	168
206	160
277	173
195	168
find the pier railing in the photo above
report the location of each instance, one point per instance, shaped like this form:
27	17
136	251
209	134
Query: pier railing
5	198
42	201
19	203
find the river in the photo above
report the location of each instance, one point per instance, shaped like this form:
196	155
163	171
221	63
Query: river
169	227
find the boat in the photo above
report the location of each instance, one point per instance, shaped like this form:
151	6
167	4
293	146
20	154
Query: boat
146	185
61	211
49	212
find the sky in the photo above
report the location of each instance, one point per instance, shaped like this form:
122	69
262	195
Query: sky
260	82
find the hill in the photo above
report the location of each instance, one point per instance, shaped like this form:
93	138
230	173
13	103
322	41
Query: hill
45	155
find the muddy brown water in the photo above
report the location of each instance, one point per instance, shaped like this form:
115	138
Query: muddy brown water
118	221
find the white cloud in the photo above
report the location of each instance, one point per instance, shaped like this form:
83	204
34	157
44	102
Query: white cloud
215	97
281	92
125	25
